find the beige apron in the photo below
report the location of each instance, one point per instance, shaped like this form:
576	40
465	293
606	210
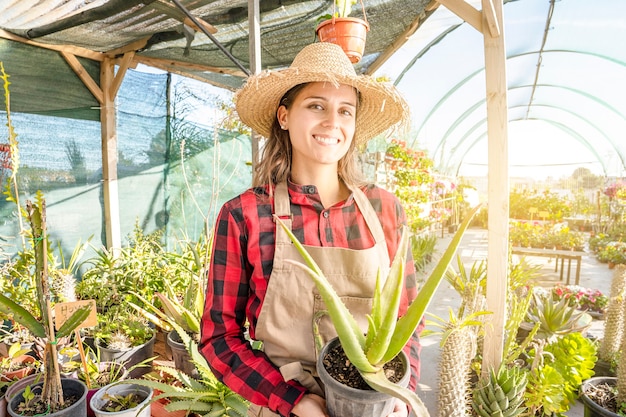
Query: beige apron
285	322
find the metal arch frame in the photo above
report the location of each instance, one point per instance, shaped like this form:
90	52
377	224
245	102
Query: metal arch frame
465	80
564	109
556	124
566	129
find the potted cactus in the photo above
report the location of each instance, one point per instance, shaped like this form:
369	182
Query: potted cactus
55	395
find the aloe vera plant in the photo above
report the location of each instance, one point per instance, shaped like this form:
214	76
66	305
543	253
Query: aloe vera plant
387	334
43	327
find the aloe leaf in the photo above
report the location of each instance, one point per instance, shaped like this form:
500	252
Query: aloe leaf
73	321
408	323
375	318
380	383
390	302
22	316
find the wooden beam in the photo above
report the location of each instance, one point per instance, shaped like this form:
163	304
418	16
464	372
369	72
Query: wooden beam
89	82
109	159
73	50
498	191
133	46
209	27
466	12
492	21
394	46
168	64
121	71
176	13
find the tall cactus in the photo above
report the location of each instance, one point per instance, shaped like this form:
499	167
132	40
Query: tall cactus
614	317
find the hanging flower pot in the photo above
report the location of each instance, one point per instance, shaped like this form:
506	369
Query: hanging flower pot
348	32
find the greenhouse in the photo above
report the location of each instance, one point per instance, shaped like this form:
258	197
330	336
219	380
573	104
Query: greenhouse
120	129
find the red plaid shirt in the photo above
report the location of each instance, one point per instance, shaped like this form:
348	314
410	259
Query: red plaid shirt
241	264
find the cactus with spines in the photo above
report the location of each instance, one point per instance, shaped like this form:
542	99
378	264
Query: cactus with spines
614	316
501	394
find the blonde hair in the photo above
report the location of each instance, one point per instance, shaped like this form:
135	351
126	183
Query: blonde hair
274	166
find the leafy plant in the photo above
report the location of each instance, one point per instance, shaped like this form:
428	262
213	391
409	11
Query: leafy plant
204	395
342	8
52	392
9	363
386	335
555	319
122	329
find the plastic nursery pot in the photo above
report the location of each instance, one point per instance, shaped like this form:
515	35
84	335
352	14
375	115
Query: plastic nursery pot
182	359
99	400
129	357
22	363
345	401
72	388
591	408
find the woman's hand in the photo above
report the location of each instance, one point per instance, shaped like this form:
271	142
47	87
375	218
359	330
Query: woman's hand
311	405
399	410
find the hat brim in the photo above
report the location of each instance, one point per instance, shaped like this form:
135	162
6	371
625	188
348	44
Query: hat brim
381	106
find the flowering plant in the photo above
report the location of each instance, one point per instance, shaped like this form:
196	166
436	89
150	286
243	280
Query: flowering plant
581	297
617	189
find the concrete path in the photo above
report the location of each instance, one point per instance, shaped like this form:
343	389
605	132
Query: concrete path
474	248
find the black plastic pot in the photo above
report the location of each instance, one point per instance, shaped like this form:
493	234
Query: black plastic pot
182	358
129	357
71	388
591	408
345	401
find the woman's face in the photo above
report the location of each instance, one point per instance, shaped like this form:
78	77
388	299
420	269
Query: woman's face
321	123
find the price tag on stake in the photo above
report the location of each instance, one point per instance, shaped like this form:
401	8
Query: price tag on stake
63	311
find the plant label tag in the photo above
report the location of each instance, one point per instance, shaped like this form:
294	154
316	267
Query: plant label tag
63	311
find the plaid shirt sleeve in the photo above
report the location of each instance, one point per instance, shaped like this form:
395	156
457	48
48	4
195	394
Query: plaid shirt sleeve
241	264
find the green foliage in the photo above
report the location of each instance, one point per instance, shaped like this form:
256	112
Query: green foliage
555	319
120	402
521	201
557	370
422	248
121	328
142	267
205	395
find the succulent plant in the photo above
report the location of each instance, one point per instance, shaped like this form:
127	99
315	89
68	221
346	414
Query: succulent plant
502	394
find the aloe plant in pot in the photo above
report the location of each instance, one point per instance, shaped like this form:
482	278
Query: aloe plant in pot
387	334
49	395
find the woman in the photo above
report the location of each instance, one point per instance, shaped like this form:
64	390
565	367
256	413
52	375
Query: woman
315	115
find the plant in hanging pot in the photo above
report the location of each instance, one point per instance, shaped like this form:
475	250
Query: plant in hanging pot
56	396
348	32
386	335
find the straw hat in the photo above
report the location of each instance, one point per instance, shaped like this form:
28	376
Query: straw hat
381	105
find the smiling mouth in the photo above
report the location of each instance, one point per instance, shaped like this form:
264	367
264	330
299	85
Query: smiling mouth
326	141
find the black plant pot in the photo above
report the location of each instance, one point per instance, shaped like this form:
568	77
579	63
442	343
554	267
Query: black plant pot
592	409
345	401
129	357
182	358
71	388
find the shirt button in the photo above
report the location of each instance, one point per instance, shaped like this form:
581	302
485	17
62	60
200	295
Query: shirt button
310	189
325	214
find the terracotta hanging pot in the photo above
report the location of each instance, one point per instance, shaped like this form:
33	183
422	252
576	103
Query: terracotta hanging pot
348	32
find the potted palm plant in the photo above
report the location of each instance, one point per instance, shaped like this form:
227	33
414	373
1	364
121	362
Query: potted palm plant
55	395
348	32
386	335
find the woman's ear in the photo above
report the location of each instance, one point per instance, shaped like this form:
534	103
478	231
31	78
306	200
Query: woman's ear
281	116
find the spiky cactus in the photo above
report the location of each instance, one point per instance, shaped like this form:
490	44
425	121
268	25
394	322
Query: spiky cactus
614	317
621	370
458	350
502	394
